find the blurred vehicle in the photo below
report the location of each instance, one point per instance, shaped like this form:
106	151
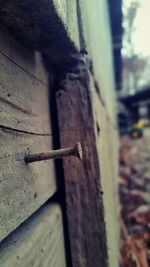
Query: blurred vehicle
137	130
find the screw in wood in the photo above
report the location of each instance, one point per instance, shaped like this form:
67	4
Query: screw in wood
56	154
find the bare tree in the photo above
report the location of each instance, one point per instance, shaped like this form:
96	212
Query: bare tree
130	13
132	60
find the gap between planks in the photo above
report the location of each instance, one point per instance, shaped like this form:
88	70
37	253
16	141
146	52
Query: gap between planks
3	127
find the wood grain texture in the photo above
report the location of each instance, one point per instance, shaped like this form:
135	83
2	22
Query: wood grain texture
26	59
39	242
40	26
23	188
84	201
25	126
24	101
108	150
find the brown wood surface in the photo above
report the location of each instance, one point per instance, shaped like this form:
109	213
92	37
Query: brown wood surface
38	242
84	201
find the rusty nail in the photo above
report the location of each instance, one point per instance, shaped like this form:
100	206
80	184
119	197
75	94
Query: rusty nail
55	154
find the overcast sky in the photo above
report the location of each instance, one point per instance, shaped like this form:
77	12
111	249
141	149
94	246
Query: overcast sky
141	36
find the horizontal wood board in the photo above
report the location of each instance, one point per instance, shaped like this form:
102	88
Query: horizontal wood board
25	127
23	188
24	101
37	243
25	58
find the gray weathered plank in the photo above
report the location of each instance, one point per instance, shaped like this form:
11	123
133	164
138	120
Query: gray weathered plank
24	126
107	141
27	59
24	101
41	26
84	202
38	242
23	188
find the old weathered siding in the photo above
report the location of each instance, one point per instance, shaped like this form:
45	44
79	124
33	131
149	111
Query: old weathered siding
24	127
55	28
28	60
97	41
31	232
96	33
107	140
50	27
38	242
24	188
84	197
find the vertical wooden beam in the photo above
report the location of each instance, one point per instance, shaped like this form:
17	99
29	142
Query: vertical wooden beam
84	201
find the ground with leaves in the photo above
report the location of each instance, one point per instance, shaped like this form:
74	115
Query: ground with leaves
134	189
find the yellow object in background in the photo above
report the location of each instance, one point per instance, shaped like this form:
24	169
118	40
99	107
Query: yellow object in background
140	124
135	134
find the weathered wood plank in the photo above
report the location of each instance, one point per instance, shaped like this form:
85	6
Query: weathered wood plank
84	201
38	242
107	147
24	101
27	59
41	26
23	188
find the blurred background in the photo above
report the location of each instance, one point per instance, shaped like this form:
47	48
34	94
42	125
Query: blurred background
130	20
